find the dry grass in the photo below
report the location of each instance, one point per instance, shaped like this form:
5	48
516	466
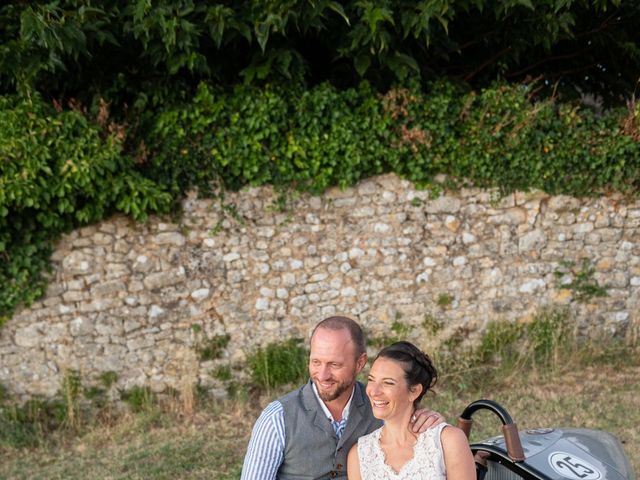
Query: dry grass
156	444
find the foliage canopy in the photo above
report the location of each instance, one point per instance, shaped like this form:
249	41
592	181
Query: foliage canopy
143	52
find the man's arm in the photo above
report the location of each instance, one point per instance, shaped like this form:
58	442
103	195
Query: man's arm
423	419
265	452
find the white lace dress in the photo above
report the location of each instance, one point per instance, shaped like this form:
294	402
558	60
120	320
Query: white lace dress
427	462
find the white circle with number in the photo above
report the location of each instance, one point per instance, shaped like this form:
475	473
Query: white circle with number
569	465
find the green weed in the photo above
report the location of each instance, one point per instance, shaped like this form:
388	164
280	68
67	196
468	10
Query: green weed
550	337
432	324
499	342
582	282
27	425
139	398
444	300
222	373
107	379
398	331
238	391
212	348
70	415
4	394
279	364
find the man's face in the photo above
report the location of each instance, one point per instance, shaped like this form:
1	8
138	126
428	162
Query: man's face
333	364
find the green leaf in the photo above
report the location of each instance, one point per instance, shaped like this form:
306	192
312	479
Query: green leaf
262	30
362	63
409	61
336	7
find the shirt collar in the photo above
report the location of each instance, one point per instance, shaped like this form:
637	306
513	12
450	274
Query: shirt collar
345	411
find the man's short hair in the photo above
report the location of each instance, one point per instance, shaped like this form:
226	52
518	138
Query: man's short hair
345	323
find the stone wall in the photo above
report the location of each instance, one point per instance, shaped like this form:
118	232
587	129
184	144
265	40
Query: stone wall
142	300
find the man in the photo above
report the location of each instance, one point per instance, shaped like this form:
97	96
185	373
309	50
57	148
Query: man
308	432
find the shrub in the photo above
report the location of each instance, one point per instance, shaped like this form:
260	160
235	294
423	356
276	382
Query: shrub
550	336
139	398
27	425
500	342
279	364
308	140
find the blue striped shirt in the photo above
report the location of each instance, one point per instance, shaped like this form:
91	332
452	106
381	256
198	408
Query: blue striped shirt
265	452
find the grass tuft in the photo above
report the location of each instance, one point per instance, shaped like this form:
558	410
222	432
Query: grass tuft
279	364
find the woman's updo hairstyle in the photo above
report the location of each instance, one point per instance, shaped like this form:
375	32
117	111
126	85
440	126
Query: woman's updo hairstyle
417	366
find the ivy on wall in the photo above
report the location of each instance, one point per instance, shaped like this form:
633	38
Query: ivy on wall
312	139
57	171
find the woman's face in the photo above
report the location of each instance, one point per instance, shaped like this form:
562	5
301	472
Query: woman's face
388	390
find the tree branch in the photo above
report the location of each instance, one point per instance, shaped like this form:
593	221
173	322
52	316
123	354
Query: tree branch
546	60
485	64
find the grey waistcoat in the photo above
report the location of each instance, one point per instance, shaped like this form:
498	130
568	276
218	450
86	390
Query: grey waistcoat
312	450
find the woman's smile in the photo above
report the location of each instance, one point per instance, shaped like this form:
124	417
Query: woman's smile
388	391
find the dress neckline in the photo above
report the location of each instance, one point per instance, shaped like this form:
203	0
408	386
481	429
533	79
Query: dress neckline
389	468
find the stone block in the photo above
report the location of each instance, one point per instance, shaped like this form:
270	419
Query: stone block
29	336
444	204
139	343
381	227
563	203
108	289
116	270
512	216
345	202
99	305
80	326
584	227
170	238
159	280
534	240
77	263
156	311
262	304
109	326
200	294
532	286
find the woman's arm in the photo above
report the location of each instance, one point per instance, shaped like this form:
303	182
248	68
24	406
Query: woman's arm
353	464
458	459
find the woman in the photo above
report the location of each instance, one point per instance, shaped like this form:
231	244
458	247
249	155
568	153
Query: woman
400	376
